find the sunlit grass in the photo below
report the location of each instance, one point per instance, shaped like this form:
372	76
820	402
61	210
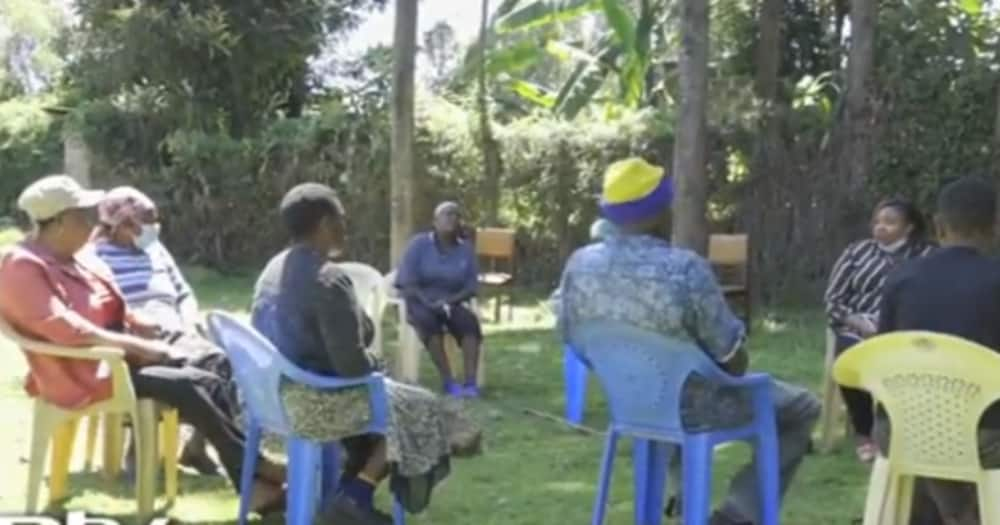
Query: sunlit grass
534	471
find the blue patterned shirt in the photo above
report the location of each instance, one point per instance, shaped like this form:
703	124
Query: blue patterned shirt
642	281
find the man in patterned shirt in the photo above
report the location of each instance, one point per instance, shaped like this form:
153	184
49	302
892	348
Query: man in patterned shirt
636	277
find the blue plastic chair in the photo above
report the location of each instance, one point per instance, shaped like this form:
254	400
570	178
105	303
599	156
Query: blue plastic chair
576	373
313	468
643	376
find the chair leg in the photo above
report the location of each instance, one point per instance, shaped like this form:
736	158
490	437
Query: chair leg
904	499
697	466
145	425
409	354
768	476
62	451
575	374
481	366
398	512
831	400
604	481
989	498
510	308
879	487
249	468
114	442
93	422
170	428
652	461
331	470
43	422
641	454
304	458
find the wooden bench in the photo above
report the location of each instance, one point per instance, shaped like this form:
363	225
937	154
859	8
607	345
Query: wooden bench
729	255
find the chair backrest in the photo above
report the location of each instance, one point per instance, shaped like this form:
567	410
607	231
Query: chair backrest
642	373
730	255
496	245
934	388
15	337
257	365
369	285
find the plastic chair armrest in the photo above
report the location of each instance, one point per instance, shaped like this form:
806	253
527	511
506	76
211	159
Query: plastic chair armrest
93	353
331	383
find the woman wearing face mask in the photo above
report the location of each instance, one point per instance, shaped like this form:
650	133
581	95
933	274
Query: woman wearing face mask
127	240
53	290
855	290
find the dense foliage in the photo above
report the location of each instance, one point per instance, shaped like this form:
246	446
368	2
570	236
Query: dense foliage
231	101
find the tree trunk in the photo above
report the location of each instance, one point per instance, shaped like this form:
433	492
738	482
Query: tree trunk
996	155
768	167
403	160
690	227
857	157
492	163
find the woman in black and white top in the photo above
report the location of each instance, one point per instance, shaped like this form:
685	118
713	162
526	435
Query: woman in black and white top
899	232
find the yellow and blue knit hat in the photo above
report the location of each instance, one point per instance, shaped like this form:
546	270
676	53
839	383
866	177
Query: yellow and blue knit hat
635	190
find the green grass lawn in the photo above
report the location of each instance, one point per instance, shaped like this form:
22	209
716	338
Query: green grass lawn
534	471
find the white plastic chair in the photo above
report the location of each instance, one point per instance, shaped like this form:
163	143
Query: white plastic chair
408	366
369	286
57	425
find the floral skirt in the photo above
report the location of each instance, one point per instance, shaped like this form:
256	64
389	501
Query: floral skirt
423	431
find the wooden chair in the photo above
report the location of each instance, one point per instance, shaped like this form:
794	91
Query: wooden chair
496	247
730	256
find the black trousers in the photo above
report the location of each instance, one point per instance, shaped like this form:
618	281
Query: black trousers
203	401
859	403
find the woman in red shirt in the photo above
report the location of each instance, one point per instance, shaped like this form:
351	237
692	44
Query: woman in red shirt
51	292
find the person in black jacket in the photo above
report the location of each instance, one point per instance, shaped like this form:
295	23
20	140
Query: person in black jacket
321	328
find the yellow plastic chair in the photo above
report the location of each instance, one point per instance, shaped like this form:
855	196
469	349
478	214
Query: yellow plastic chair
834	413
408	365
55	424
934	389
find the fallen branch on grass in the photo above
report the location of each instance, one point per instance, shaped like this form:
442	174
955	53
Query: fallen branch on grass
552	417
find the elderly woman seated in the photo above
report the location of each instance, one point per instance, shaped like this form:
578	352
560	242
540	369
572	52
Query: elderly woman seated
52	290
323	329
127	240
438	274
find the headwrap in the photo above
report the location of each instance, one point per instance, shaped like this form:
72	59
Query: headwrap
122	204
635	190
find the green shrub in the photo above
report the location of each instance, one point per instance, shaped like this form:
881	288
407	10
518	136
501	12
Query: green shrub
30	147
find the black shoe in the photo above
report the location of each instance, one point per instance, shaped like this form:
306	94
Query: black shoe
345	511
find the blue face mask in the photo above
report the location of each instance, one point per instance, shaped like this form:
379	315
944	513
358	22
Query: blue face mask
149	234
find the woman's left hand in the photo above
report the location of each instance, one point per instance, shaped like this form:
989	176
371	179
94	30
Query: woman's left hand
144	327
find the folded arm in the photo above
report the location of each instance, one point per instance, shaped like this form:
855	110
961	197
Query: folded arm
711	323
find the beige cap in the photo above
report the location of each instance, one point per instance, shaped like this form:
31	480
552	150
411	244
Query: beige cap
52	195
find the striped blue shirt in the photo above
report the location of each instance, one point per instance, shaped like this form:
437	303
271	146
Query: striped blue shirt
150	279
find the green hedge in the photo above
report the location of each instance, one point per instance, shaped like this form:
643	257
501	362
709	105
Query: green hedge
220	193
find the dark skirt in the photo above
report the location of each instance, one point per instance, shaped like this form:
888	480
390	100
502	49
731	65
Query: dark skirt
462	322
